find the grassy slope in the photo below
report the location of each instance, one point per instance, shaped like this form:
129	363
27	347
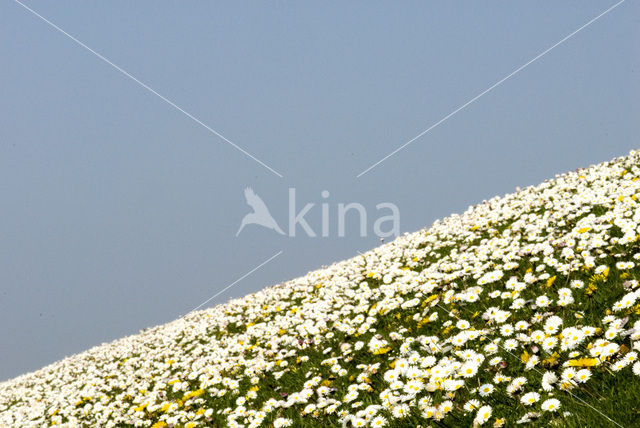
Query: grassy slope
291	353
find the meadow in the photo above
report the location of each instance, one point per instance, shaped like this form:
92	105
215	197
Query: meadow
523	310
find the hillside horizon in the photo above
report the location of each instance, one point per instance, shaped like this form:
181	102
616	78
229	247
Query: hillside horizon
521	309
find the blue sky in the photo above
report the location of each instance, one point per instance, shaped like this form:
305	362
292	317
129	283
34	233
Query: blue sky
119	212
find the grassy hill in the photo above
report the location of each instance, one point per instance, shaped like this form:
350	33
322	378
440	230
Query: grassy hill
523	310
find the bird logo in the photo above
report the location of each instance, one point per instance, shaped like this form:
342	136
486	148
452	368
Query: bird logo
260	215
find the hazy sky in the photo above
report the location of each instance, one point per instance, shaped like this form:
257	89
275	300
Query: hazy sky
118	212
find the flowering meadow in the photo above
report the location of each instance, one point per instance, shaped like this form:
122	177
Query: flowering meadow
523	310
